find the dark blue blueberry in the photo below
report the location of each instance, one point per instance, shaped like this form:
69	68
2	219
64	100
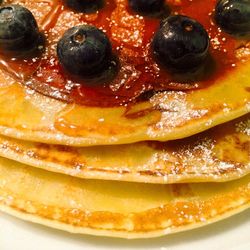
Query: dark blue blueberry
233	16
84	50
147	7
85	6
181	43
18	29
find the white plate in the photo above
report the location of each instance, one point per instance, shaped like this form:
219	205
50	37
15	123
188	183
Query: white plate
230	234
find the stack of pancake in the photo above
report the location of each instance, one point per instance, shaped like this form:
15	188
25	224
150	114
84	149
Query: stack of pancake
175	162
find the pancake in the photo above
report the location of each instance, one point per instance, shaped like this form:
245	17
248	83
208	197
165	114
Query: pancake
116	209
49	120
167	115
220	154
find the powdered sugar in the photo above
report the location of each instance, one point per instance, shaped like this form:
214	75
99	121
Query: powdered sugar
175	110
243	127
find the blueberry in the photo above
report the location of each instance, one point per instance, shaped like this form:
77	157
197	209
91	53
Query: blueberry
85	6
181	43
233	16
147	7
84	50
18	29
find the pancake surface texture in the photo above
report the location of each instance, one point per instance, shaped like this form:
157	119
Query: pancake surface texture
193	136
116	209
220	154
167	115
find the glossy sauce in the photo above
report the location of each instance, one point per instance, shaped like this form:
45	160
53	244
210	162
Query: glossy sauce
138	72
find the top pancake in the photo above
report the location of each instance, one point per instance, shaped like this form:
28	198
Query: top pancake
167	115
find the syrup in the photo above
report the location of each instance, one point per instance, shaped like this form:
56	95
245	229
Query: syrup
130	35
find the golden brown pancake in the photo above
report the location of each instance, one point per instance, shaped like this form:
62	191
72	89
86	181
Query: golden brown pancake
117	209
167	115
220	154
33	119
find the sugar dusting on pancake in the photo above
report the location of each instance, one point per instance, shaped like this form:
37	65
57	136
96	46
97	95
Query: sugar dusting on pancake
123	209
168	115
243	127
175	109
220	154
